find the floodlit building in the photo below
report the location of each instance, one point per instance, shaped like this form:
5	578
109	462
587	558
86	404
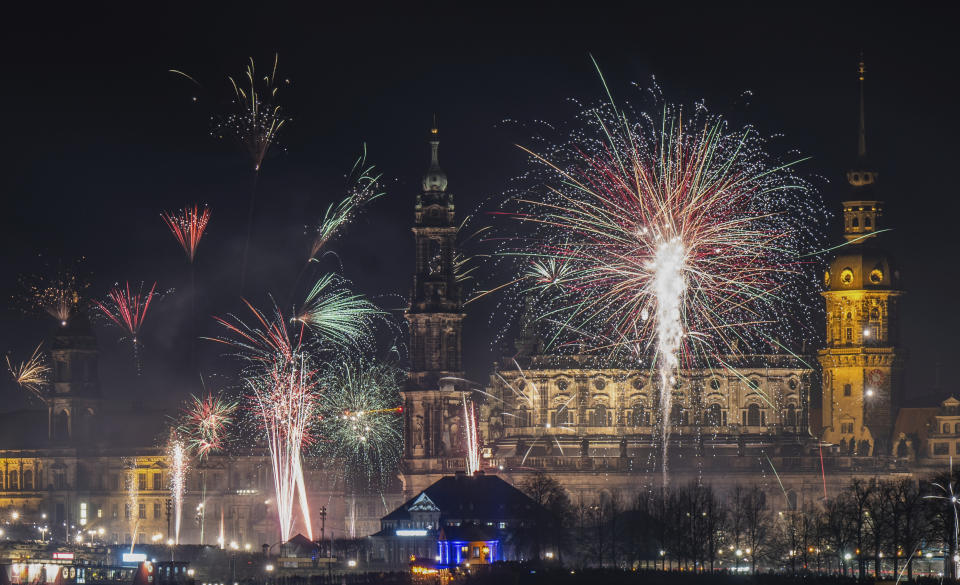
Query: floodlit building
458	519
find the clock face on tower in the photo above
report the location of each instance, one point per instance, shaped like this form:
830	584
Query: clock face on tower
875	378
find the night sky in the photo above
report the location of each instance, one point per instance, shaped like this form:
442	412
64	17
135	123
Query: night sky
99	139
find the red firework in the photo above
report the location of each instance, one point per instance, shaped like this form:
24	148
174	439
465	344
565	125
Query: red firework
188	227
128	310
263	341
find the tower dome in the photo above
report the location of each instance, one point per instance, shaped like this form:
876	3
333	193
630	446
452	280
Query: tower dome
435	180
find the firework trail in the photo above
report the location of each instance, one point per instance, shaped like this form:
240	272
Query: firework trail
32	375
177	460
255	125
364	187
56	293
128	311
473	442
283	386
133	498
360	421
253	121
205	423
285	397
188	227
672	237
336	314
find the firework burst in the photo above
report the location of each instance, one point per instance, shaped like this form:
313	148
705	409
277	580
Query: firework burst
264	342
258	117
56	293
206	423
128	310
364	187
32	375
188	227
673	237
360	420
337	315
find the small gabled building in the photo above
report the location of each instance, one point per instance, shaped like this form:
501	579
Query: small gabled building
458	519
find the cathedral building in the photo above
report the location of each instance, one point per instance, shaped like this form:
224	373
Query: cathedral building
799	425
597	428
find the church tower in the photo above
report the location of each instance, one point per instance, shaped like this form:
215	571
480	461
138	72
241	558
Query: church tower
432	398
75	398
861	366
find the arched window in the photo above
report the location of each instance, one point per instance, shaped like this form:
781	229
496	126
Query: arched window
598	417
753	416
640	416
946	428
563	415
956	428
866	221
713	417
28	480
676	415
61	429
790	419
523	418
855	222
13	480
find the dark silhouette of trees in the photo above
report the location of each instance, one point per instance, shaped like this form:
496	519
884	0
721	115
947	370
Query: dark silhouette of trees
869	528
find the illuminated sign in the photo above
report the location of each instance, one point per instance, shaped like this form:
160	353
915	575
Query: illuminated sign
411	532
63	556
134	557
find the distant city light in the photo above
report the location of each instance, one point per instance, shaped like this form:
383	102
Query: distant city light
411	532
351	563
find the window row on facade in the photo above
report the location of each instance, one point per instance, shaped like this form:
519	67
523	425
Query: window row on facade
640	416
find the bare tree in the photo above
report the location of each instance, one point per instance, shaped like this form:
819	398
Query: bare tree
860	491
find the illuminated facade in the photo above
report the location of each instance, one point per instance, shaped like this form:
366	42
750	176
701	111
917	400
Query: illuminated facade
432	397
81	469
861	365
596	428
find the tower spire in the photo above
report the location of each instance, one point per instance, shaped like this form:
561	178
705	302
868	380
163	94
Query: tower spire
861	175
862	146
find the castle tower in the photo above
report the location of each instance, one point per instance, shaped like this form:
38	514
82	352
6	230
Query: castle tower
432	396
75	398
861	366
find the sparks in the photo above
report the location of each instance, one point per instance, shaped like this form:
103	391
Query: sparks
673	240
206	423
32	375
176	456
360	422
188	227
338	315
128	310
